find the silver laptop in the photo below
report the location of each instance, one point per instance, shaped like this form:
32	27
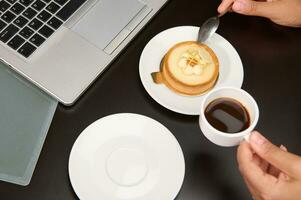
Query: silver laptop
62	46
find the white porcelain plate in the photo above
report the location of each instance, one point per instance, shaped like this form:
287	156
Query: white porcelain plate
126	157
231	69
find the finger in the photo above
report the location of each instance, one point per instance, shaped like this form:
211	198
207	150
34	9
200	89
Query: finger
289	163
256	159
253	192
224	5
264	165
282	176
260	162
273	170
256	8
257	178
282	147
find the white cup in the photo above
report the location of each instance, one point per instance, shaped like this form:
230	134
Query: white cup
222	138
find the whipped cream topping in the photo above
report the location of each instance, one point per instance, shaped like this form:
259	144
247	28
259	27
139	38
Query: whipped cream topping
192	62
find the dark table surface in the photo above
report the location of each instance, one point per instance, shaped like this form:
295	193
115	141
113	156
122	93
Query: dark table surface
271	56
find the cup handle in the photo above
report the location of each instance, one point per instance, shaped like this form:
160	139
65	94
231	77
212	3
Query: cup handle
247	137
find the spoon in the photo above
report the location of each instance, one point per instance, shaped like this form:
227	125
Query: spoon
210	26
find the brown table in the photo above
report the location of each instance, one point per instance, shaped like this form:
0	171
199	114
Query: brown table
271	57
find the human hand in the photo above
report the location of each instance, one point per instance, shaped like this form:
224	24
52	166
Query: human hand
270	173
283	12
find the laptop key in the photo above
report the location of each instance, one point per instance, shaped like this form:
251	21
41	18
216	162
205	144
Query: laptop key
8	16
54	23
26	32
16	42
53	7
38	5
37	40
26	2
17	8
46	31
44	16
4	5
29	13
27	49
2	24
35	24
20	21
61	2
8	33
11	1
69	9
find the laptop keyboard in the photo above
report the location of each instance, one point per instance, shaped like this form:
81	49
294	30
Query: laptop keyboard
26	24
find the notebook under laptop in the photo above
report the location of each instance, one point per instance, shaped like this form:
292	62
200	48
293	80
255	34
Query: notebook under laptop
62	46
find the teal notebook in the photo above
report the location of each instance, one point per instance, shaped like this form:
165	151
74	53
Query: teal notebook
25	116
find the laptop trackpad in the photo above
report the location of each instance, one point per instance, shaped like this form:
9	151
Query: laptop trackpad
106	19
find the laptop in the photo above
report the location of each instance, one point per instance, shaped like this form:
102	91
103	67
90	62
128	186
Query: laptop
62	46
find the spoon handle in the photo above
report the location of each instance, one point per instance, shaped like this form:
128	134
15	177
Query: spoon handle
226	10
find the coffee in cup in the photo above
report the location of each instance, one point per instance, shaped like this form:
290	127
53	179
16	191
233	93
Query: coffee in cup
228	116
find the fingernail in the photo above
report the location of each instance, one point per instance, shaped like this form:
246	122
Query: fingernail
283	148
257	138
239	6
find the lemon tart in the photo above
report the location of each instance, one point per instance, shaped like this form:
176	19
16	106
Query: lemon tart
189	68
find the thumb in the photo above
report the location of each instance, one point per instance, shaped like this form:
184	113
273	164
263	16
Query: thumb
284	161
256	8
249	168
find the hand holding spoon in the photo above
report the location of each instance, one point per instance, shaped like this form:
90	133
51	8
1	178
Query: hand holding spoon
210	26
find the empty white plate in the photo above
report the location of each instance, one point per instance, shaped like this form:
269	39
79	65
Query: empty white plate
126	157
231	69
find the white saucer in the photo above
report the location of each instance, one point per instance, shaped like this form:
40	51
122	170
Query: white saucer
126	156
231	69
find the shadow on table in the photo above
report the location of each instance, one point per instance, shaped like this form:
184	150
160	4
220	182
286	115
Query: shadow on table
206	180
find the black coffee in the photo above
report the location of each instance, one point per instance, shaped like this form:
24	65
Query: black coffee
227	115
